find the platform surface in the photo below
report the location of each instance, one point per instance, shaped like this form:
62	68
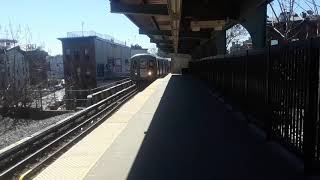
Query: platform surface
174	129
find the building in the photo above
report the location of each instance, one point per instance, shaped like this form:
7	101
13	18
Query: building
7	43
14	68
89	58
301	28
137	49
236	46
14	74
55	64
245	45
38	67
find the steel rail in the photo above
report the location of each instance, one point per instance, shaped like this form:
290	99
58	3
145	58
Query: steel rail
15	157
92	125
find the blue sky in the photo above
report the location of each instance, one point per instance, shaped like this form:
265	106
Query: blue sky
299	6
50	19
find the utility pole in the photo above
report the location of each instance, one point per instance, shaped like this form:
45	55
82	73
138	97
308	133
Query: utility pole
315	7
82	23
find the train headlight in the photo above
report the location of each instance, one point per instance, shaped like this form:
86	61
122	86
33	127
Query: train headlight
136	73
149	73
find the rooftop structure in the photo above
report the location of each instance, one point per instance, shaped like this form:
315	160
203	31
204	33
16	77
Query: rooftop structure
7	43
78	34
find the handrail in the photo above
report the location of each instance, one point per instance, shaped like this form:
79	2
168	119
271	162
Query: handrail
108	89
109	85
92	98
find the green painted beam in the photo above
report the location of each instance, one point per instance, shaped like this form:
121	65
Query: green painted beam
155	32
194	35
165	48
161	41
140	9
168	46
183	35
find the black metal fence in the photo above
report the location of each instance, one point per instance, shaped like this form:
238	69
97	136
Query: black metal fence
277	88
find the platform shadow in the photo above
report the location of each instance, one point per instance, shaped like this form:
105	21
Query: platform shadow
192	136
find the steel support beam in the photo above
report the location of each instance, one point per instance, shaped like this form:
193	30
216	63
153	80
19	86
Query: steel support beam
175	8
139	9
255	23
220	41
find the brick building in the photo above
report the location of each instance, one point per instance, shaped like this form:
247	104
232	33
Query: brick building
90	58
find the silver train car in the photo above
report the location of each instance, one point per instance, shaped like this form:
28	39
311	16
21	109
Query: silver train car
147	67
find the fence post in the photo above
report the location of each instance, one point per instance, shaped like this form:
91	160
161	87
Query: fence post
269	120
246	86
311	109
222	77
246	74
41	99
89	100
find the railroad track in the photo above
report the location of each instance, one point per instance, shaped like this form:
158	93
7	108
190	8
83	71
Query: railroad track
29	156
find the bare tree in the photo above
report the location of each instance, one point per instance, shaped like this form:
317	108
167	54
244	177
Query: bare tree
136	46
12	97
235	33
153	51
287	23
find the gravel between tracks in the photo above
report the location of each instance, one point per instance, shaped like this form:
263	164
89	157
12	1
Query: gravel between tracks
12	130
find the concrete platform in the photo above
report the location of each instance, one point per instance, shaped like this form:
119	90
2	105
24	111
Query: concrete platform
174	129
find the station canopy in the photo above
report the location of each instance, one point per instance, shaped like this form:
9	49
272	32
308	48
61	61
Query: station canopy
181	25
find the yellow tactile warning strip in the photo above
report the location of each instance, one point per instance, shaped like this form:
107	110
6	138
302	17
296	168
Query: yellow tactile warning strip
77	161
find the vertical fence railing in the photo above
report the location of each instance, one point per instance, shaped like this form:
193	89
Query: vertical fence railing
278	90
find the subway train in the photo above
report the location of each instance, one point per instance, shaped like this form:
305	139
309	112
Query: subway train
147	67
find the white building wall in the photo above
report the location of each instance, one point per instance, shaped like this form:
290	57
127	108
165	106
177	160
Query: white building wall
113	57
125	56
56	67
101	56
15	69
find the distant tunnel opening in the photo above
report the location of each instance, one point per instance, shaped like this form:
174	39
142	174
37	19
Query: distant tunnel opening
237	39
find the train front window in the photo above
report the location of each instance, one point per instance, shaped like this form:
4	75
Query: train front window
134	64
151	64
143	63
